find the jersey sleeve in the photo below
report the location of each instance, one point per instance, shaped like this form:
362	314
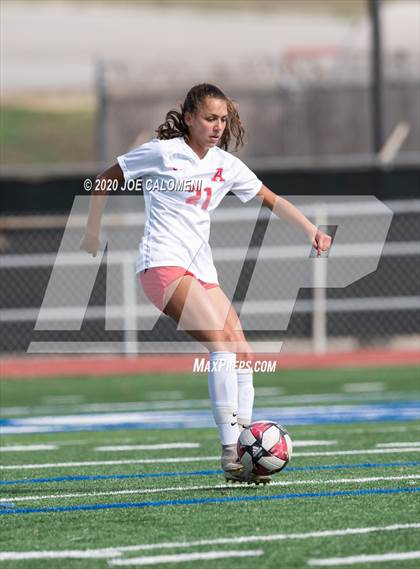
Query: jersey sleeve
140	160
246	185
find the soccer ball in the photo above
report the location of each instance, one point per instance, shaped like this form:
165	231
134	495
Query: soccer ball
264	448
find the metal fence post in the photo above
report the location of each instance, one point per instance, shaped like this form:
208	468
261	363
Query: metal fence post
376	76
319	318
129	304
101	112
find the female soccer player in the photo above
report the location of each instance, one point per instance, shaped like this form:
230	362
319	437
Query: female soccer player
186	171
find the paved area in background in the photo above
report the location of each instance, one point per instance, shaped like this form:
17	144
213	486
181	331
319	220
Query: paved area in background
50	47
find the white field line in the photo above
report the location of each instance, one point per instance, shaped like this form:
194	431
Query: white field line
27	448
309	443
301	442
74	443
360	451
397	445
313	443
118	551
153	395
110	462
148	447
62	399
108	553
193	459
283	483
182	557
361	559
365	387
370	430
172	404
268	391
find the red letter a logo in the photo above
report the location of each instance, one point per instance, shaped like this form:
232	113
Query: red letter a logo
218	176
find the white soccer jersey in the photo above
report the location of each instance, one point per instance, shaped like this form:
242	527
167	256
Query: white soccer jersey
180	192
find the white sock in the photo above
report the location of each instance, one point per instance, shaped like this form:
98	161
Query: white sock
245	396
223	391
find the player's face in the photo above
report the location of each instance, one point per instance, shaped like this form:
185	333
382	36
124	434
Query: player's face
207	124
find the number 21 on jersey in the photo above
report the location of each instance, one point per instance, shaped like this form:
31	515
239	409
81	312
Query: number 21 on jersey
193	200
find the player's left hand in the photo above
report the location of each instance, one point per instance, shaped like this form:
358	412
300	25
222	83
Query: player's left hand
321	242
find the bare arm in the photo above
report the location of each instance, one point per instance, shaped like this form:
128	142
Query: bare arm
90	240
287	211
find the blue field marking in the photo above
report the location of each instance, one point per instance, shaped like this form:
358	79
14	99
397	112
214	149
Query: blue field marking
308	415
109	477
203	472
194	501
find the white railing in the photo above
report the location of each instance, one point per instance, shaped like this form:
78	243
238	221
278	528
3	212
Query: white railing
130	311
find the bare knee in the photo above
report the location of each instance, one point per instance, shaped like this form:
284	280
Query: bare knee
225	341
236	342
245	354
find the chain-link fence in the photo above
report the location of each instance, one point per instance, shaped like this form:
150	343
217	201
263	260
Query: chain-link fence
308	103
98	305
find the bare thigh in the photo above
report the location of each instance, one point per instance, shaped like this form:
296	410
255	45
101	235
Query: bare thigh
205	314
232	324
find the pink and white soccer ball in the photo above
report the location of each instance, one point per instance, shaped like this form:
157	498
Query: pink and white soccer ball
264	448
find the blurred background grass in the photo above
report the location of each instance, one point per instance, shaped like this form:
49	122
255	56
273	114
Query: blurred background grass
31	136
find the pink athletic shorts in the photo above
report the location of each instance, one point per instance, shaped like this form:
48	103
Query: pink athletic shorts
156	280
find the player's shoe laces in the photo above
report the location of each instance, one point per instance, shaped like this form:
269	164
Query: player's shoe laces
229	460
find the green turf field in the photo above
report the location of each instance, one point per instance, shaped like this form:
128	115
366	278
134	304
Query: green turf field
351	489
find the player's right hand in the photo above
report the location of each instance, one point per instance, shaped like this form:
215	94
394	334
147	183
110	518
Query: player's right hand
321	242
90	243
